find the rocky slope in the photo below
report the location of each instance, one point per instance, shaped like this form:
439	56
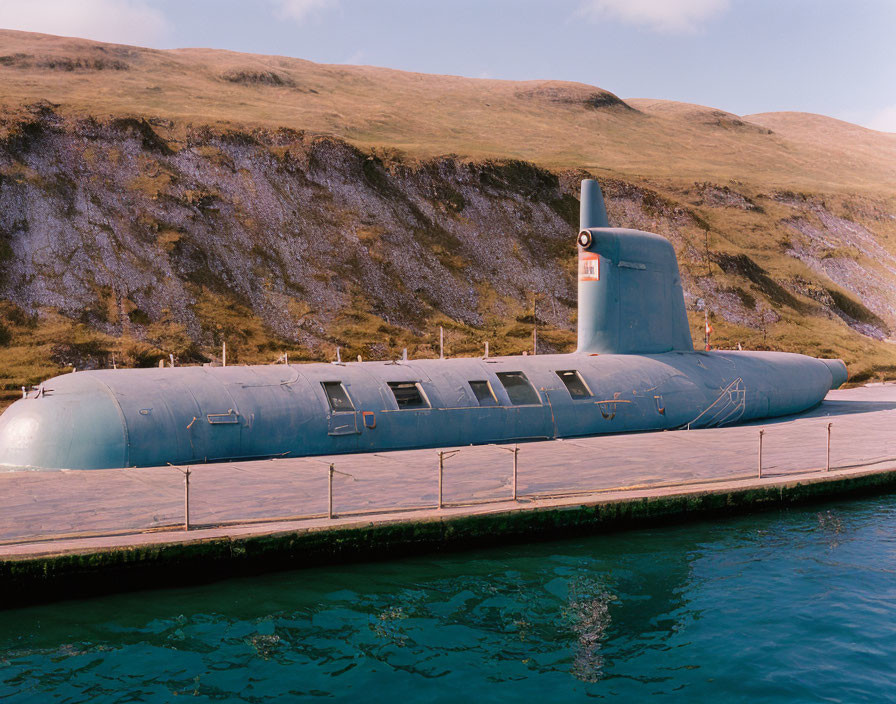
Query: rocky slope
152	245
131	237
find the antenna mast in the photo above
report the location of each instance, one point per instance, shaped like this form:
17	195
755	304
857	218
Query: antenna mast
535	324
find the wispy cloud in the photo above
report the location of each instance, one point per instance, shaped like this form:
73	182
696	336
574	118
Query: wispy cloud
353	59
665	16
883	119
301	10
120	21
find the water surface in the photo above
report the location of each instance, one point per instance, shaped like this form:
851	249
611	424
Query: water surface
781	607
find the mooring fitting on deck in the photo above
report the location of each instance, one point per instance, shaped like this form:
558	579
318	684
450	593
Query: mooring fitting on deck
761	433
333	471
187	499
443	455
515	450
330	492
827	467
186	472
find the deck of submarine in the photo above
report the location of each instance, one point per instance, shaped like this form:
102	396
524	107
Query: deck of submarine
89	532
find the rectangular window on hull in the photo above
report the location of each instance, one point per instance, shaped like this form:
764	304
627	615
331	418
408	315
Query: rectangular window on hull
408	395
484	393
575	384
337	396
519	389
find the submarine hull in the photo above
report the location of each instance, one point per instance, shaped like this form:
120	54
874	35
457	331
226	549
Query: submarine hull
186	415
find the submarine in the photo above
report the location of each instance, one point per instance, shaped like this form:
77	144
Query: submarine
635	369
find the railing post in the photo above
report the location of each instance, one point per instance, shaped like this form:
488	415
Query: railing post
761	433
827	467
187	499
330	492
441	473
516	452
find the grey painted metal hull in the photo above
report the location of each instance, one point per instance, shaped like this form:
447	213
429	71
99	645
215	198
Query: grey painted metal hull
148	417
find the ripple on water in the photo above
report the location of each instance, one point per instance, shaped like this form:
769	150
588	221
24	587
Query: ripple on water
795	606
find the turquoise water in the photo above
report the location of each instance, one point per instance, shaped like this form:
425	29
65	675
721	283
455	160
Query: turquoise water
784	607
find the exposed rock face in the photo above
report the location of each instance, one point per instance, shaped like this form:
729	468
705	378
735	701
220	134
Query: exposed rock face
123	228
851	256
96	212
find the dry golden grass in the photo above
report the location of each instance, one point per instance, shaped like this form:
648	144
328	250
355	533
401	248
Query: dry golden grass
552	123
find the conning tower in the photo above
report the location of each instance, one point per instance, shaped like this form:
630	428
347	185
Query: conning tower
630	297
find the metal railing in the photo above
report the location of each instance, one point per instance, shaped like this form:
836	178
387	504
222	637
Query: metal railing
515	495
503	486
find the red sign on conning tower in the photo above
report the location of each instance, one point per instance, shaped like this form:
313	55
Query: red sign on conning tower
589	266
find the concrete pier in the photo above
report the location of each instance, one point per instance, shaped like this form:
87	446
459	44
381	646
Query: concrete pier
64	534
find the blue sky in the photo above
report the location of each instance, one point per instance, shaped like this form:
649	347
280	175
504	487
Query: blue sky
744	56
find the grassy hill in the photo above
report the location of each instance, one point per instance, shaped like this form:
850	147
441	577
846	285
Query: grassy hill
158	202
552	123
